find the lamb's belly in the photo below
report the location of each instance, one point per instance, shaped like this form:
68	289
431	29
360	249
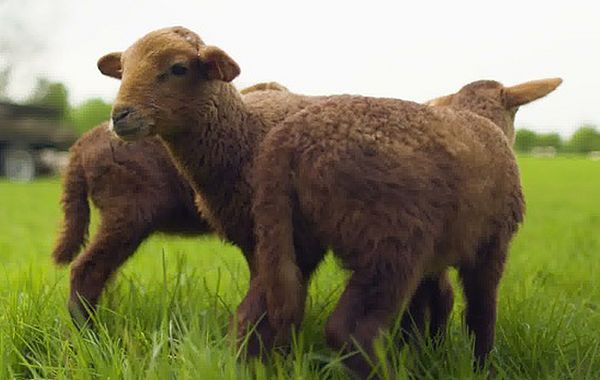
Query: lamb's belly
459	246
442	260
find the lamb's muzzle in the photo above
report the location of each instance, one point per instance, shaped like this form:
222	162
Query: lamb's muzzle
128	124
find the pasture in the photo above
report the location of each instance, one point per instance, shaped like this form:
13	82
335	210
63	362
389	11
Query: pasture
166	315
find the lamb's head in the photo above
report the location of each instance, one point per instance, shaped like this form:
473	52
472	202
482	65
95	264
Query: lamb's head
165	78
492	100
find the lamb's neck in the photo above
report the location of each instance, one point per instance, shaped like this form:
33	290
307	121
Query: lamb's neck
503	120
214	154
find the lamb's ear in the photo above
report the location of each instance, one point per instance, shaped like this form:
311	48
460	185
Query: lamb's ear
218	64
441	101
110	65
529	91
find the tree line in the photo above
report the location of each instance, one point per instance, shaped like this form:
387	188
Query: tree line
584	140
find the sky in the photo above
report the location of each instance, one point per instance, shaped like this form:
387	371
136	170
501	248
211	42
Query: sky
414	50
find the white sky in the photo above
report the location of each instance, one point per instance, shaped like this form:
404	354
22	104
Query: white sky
410	50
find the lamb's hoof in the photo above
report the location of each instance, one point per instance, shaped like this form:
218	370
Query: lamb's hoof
260	339
81	314
253	327
359	368
488	370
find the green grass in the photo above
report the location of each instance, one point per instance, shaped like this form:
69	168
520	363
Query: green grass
166	315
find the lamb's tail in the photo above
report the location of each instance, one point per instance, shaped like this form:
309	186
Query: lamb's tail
278	271
76	212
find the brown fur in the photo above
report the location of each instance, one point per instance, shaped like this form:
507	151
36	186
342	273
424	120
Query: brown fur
400	191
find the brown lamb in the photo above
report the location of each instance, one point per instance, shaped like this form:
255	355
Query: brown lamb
213	137
137	191
400	191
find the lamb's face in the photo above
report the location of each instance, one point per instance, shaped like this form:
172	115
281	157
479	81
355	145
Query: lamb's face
163	76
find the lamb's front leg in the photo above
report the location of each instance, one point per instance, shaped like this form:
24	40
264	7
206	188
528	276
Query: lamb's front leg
113	244
252	322
262	330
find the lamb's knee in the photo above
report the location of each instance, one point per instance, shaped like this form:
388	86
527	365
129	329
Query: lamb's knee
336	335
80	270
89	273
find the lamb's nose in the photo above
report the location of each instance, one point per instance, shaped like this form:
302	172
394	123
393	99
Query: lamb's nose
120	115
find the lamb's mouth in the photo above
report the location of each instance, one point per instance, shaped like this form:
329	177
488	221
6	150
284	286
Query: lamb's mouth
131	133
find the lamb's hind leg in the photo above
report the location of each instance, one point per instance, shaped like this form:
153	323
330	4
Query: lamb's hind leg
435	297
413	319
480	283
114	242
372	299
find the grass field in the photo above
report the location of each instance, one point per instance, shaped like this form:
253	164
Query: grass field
166	314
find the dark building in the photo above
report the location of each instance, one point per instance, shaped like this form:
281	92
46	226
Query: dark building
26	132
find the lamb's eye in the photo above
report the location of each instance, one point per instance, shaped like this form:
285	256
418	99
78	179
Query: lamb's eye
178	69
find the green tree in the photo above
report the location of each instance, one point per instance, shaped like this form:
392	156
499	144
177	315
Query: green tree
51	94
549	139
89	114
585	140
525	140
